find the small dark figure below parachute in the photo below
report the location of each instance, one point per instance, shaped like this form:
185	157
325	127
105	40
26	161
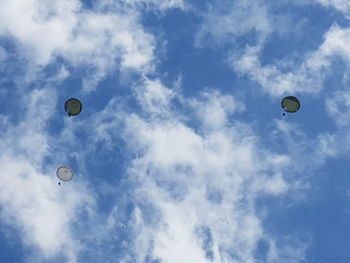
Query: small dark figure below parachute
73	107
290	104
64	173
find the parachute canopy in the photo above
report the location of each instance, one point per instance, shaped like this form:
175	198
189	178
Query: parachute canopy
73	106
290	104
64	173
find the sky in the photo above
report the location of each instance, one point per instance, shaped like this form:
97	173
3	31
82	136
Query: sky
181	153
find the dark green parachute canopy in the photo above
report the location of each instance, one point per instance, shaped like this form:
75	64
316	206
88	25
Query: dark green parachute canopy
73	107
64	173
290	104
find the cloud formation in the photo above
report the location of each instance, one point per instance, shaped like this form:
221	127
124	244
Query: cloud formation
98	41
162	176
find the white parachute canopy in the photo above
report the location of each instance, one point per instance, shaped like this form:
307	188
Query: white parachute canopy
64	173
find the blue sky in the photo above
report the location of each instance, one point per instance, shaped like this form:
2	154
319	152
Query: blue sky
180	154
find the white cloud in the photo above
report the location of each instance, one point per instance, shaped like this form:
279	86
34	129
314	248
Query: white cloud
340	5
147	5
208	180
45	30
216	165
307	77
291	254
42	211
207	177
214	109
226	21
180	172
225	24
163	5
334	143
30	198
329	145
338	107
154	96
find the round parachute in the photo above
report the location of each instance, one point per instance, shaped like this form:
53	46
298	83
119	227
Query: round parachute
73	107
290	104
64	173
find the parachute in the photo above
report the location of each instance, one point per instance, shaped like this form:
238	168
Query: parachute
290	104
73	107
64	173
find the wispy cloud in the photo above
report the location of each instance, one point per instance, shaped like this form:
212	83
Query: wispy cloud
226	21
30	198
193	172
97	41
340	5
206	179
